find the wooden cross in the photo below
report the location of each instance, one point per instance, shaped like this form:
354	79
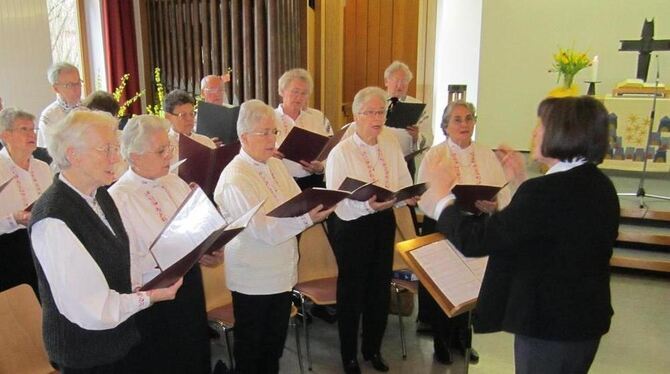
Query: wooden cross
645	46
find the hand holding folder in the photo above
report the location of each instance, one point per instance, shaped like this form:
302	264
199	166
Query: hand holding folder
361	191
468	194
196	228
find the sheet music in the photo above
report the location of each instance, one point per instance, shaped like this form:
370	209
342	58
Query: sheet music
458	277
194	222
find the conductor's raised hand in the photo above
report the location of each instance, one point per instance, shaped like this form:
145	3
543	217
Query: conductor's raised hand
319	214
380	205
163	294
513	164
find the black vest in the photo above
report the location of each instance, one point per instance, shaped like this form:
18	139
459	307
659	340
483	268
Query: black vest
68	344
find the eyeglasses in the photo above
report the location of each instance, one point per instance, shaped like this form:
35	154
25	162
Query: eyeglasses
70	85
267	132
468	119
109	149
165	151
25	130
371	113
184	115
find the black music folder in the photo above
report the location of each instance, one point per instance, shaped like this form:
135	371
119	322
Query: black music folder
218	121
401	115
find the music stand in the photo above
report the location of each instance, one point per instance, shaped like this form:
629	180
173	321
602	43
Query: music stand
641	193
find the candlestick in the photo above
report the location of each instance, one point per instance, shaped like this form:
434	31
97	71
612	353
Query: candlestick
594	69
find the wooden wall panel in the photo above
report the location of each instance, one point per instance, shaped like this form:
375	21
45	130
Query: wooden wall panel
378	32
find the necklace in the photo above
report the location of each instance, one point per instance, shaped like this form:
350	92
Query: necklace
371	168
473	165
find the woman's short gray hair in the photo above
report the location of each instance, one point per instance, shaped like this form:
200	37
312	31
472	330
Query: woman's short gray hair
364	95
446	115
292	75
56	69
137	132
398	65
9	115
69	133
251	113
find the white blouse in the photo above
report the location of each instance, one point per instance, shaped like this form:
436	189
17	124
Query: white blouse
382	163
309	119
263	259
475	164
145	206
79	288
26	186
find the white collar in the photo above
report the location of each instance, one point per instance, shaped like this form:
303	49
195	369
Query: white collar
4	153
566	165
89	199
360	142
246	157
141	181
457	148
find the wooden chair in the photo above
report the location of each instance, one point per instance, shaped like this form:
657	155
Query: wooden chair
405	230
219	305
317	275
21	346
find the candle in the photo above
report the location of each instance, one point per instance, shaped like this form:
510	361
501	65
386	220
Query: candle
594	69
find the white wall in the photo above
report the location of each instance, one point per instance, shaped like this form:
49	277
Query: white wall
96	46
456	54
519	38
25	55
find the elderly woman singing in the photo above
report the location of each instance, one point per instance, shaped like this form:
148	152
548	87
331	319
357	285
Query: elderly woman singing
88	303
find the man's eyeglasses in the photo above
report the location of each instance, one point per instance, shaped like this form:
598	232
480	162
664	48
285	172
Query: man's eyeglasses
109	149
184	115
25	130
268	132
371	113
70	85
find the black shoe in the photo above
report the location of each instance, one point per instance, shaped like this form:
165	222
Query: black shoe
474	355
377	362
351	367
443	357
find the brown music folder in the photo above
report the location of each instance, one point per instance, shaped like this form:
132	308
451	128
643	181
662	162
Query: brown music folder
467	194
196	229
307	200
401	115
305	145
203	165
361	191
452	279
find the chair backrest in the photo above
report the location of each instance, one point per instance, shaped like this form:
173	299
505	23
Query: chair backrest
316	255
214	282
404	230
21	346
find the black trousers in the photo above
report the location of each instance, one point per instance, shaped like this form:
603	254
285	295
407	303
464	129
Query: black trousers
175	335
16	261
364	252
533	355
261	322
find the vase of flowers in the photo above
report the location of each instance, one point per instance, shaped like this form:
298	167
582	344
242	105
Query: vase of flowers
567	63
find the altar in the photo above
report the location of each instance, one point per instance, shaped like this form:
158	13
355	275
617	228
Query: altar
628	132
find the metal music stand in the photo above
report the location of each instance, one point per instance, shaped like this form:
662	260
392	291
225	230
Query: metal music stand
641	193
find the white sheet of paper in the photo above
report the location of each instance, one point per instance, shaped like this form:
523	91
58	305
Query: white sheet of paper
458	277
194	222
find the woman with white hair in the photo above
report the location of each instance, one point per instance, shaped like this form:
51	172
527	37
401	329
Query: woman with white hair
84	276
26	179
295	88
261	263
174	335
362	233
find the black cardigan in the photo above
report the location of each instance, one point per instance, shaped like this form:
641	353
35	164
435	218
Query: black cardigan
548	271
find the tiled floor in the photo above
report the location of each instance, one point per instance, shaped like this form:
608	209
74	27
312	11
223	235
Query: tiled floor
638	342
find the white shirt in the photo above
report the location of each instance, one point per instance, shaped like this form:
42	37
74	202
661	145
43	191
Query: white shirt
145	206
476	164
308	119
24	189
387	167
174	140
565	165
263	259
51	115
78	286
405	139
